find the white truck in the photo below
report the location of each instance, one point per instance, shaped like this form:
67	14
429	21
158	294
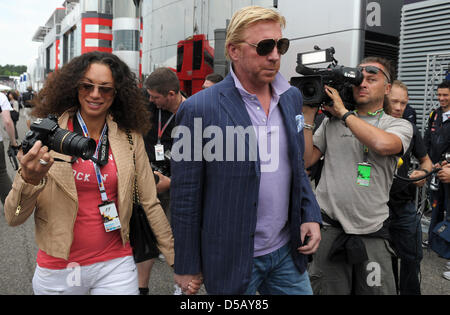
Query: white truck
355	28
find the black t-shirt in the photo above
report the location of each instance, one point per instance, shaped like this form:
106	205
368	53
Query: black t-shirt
151	138
437	136
402	191
410	114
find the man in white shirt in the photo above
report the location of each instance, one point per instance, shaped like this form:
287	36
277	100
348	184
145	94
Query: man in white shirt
5	181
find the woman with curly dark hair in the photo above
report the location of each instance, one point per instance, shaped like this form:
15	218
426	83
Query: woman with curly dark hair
61	92
82	209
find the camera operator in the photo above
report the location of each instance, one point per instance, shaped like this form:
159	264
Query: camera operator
437	140
361	150
163	88
405	227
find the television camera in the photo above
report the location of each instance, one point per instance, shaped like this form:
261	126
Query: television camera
312	83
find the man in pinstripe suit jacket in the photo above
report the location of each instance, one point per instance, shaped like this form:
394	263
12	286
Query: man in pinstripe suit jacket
241	201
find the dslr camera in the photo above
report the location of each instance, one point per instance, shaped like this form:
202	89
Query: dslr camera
59	140
162	167
434	182
12	154
311	84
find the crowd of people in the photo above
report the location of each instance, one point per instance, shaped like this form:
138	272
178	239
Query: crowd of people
247	220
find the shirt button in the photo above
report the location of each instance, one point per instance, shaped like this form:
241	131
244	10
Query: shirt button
258	108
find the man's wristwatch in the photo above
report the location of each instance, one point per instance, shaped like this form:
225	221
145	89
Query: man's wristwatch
344	118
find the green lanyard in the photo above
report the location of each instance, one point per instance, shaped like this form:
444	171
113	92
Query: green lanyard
365	148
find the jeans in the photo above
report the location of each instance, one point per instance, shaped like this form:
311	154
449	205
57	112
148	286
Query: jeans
406	235
276	274
439	201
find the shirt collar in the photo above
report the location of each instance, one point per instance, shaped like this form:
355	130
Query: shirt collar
279	84
445	116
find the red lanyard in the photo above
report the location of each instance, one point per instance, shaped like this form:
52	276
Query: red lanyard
161	131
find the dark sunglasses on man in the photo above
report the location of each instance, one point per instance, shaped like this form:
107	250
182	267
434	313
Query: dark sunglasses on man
104	90
374	70
266	46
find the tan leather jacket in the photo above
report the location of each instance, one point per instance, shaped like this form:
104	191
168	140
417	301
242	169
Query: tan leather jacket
56	202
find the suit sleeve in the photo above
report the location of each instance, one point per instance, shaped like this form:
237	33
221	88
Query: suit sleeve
310	209
186	193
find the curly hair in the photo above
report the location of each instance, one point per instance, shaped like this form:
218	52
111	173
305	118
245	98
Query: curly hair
60	92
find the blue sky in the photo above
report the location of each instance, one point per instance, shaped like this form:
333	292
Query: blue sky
19	20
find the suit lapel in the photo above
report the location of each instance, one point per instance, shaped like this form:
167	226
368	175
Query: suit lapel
288	114
291	129
231	101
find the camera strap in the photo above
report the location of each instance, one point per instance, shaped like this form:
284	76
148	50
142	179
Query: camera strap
365	148
364	170
108	209
103	144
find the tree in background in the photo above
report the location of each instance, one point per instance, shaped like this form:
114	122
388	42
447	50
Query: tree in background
12	70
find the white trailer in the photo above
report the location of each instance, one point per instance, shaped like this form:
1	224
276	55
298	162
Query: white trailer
355	28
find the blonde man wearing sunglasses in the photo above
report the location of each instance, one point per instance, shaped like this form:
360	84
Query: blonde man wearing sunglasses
361	150
238	223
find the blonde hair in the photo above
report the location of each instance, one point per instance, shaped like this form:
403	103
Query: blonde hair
244	18
401	85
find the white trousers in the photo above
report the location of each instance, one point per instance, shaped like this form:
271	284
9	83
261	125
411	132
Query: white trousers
113	277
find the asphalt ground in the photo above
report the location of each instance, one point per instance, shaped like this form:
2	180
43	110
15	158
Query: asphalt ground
18	257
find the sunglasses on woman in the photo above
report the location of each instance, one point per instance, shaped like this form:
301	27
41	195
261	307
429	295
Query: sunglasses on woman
374	70
104	90
266	46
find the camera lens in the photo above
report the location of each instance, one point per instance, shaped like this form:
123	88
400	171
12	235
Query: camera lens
309	90
446	157
70	143
434	183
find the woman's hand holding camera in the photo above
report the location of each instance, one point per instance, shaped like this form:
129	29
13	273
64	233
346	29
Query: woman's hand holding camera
35	164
